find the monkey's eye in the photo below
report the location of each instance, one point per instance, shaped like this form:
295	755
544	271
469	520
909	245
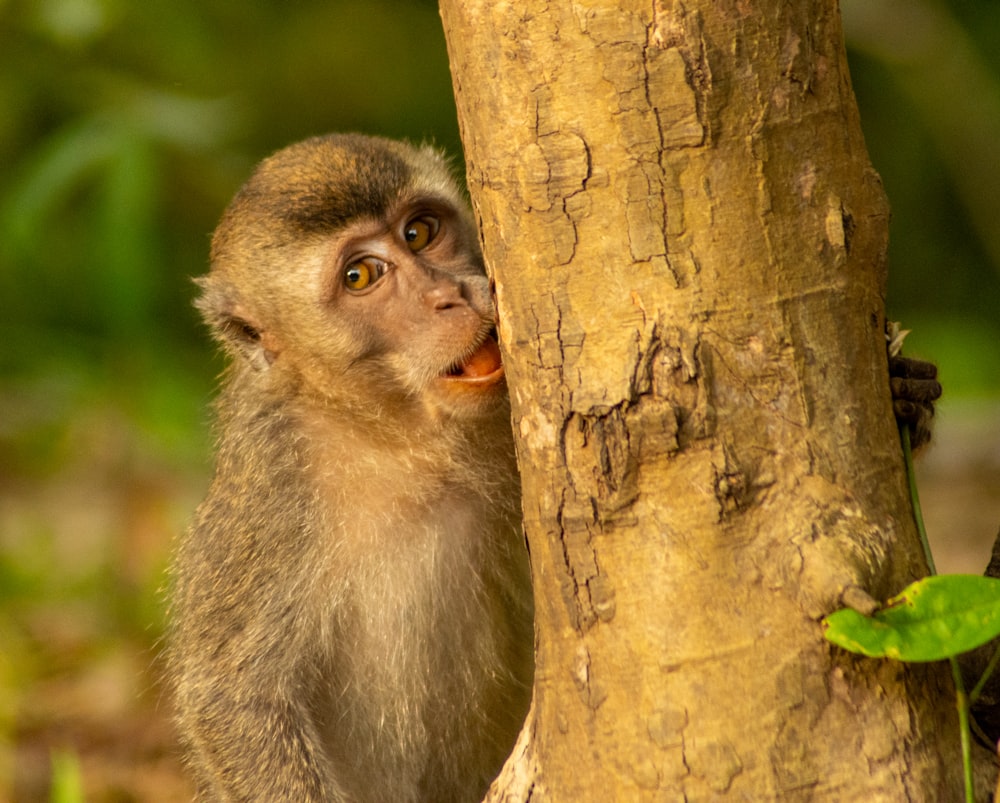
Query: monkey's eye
420	231
359	275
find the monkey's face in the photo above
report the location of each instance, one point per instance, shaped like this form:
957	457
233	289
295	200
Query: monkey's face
347	268
410	303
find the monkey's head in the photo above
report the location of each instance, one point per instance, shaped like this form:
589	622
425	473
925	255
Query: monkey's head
349	262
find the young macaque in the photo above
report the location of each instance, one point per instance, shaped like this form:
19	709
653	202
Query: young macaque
352	614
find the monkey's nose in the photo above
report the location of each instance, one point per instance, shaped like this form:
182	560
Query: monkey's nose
445	295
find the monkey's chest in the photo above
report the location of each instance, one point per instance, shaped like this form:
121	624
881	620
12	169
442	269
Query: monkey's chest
417	659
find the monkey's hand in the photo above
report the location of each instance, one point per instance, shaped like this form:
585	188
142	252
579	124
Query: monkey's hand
914	390
914	387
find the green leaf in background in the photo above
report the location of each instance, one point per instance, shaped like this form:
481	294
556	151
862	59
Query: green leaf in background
67	785
934	618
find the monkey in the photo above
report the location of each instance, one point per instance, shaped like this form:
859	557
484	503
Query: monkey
351	606
351	614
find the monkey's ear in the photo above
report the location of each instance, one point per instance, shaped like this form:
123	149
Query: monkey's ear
232	325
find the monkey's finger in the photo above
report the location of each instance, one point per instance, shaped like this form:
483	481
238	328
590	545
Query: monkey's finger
920	436
917	418
906	411
913	412
908	368
923	391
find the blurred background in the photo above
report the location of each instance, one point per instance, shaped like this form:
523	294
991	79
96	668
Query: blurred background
126	128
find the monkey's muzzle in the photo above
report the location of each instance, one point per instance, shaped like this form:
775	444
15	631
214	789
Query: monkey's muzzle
482	367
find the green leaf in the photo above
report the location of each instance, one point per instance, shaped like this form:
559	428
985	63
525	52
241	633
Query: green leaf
934	618
67	785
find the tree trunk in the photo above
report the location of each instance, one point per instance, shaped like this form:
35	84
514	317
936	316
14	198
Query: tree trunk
688	243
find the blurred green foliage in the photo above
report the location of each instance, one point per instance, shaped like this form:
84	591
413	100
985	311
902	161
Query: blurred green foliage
927	77
126	128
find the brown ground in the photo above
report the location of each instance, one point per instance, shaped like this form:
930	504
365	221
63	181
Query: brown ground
959	484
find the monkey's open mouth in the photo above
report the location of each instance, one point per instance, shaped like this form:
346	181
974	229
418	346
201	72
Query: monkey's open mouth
483	365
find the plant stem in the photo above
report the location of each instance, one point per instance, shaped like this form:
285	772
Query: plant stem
918	516
962	703
961	698
987	673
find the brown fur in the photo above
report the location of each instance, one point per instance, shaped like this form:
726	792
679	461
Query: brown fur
351	606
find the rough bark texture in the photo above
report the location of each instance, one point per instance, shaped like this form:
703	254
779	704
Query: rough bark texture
688	243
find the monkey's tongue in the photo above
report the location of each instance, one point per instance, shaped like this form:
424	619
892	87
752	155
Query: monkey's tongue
485	360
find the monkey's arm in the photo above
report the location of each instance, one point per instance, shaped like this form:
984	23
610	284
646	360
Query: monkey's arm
255	749
914	388
240	709
243	644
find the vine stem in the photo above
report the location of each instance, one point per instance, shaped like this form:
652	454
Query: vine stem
987	673
961	698
918	516
962	703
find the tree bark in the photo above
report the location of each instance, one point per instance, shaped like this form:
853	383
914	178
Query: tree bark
688	243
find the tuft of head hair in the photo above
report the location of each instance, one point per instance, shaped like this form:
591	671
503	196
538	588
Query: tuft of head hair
321	184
